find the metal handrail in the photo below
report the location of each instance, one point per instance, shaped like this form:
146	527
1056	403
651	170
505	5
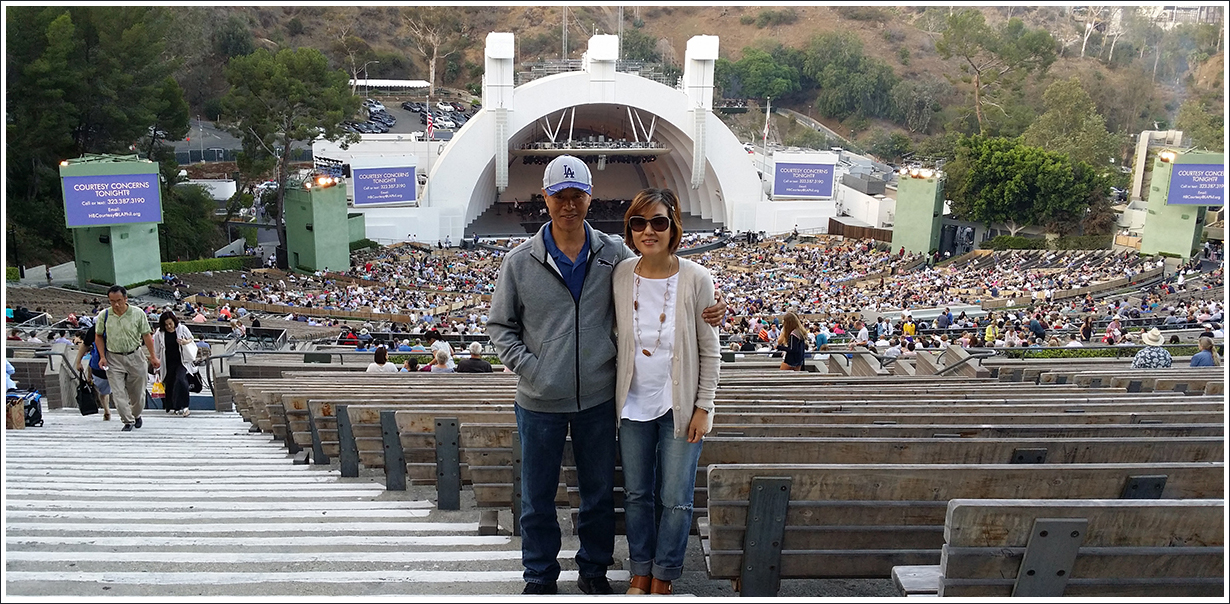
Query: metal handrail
967	360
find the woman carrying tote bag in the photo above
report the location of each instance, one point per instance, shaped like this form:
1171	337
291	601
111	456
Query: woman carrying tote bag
176	351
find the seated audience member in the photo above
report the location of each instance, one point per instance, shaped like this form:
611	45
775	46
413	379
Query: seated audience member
1207	357
381	362
474	364
440	363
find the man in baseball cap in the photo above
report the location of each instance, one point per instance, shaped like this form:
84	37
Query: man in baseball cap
566	172
552	323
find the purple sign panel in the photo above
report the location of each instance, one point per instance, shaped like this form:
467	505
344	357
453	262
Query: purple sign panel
112	199
803	180
383	185
1197	185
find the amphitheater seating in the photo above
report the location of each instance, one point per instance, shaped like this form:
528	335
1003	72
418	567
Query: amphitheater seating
1091	548
775	521
872	461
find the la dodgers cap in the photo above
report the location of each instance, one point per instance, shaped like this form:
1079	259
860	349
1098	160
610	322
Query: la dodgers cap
566	172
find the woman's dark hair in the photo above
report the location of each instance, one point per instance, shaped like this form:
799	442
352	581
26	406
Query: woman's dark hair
646	199
412	364
382	355
162	320
433	335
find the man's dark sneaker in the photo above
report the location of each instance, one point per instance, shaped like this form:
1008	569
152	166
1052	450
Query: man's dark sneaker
138	424
594	586
126	428
545	589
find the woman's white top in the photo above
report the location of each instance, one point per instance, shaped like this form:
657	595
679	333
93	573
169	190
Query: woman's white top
446	347
649	396
373	367
187	352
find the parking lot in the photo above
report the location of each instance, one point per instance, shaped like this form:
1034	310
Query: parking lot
409	121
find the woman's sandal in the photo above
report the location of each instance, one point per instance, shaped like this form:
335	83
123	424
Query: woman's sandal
639	586
660	588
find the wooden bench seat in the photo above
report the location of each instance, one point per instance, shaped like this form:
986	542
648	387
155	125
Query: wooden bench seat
1139	380
859	521
1089	548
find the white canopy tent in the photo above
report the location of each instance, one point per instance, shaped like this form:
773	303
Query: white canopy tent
389	84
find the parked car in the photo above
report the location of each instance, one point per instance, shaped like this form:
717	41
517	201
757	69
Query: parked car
373	104
444	122
411	106
383	117
436	115
380	128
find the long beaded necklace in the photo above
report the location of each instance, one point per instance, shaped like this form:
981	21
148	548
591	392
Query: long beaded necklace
636	316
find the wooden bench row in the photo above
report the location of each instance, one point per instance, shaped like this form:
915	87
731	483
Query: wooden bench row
866	438
1094	548
774	521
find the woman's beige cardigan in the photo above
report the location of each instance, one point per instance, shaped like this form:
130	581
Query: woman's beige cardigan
697	353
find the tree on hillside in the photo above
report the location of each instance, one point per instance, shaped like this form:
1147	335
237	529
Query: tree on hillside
1203	126
355	49
437	33
999	180
993	58
233	38
170	117
80	80
1072	126
188	230
759	75
637	45
849	81
1093	17
916	102
278	100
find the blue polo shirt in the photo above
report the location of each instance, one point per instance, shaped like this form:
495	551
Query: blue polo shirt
572	272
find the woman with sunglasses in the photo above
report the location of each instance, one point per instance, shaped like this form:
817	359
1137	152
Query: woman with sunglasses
667	373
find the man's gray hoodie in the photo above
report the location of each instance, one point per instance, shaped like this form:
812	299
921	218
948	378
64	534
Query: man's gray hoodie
562	349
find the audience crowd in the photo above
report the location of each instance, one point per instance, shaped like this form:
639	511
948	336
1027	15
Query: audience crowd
835	285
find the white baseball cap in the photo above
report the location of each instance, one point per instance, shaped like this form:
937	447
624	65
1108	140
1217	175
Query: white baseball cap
566	172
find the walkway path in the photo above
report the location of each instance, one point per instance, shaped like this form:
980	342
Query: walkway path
199	507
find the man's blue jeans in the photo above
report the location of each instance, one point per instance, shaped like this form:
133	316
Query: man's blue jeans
659	483
542	449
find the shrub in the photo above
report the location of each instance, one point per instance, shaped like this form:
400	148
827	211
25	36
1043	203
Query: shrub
863	13
11	273
1081	352
213	109
362	244
295	27
1008	242
769	17
1084	242
747	19
229	263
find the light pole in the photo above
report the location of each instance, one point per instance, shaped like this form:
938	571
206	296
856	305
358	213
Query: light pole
365	86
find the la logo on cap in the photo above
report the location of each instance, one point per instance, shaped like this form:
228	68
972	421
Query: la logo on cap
568	173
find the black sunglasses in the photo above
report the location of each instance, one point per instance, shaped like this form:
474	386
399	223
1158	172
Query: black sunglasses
659	223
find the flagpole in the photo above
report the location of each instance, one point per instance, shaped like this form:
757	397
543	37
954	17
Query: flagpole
764	140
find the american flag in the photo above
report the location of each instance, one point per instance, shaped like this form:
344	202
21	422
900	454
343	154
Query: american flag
430	124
